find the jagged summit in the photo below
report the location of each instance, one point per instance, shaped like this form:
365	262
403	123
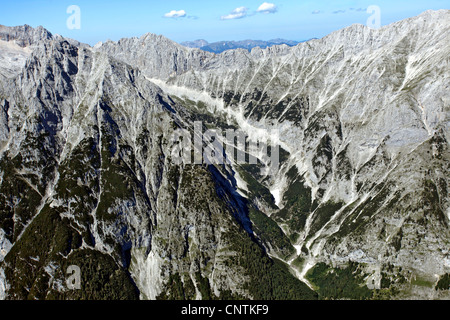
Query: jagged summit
17	44
155	55
25	35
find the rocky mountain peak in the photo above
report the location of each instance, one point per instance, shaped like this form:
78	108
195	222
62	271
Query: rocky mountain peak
25	35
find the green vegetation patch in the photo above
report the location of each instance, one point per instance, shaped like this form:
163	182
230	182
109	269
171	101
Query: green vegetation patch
323	214
256	188
297	203
269	279
337	283
79	180
174	289
47	238
444	282
270	233
101	278
18	199
361	215
431	202
50	240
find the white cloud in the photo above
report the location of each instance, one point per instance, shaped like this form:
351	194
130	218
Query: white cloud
316	12
175	14
237	13
267	8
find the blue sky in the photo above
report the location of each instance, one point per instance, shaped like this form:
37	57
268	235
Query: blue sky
209	20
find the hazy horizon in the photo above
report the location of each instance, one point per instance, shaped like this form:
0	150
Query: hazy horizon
180	21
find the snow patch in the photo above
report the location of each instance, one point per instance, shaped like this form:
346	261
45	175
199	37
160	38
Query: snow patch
276	193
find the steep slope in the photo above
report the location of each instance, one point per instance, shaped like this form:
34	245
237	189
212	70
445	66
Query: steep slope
155	55
363	116
87	179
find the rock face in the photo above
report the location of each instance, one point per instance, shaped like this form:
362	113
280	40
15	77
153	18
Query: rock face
89	177
155	55
24	36
15	47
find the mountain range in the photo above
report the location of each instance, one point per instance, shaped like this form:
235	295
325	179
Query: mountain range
357	207
221	46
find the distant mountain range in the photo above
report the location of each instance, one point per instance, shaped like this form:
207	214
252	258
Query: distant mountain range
221	46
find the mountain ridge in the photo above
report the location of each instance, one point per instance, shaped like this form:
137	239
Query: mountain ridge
221	46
